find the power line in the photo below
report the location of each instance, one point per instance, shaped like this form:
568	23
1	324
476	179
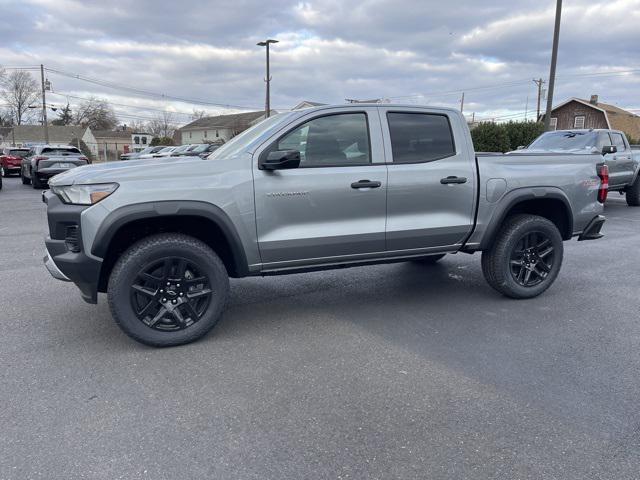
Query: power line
139	107
147	93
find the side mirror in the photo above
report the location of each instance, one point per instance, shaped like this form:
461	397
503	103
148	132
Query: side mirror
521	147
280	160
609	149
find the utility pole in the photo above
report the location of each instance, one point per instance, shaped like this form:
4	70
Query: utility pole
539	83
44	107
267	109
462	103
552	70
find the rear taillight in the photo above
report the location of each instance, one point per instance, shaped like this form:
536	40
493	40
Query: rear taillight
37	159
83	159
603	191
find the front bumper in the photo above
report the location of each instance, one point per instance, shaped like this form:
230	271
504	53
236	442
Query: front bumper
53	268
65	260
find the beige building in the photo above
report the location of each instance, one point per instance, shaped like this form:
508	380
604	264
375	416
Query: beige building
108	145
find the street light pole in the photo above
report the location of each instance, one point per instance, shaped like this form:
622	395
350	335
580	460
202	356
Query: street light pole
267	109
552	71
44	107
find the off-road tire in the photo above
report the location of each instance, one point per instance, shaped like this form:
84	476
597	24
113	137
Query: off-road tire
496	261
633	193
157	247
430	260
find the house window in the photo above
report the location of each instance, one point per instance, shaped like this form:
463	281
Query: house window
144	140
136	140
553	124
217	135
578	122
190	135
205	134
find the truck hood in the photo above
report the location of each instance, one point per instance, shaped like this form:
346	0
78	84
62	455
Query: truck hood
128	170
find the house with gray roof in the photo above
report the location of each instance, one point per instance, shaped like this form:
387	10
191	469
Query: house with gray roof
219	128
27	135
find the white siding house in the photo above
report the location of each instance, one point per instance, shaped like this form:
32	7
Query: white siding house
218	129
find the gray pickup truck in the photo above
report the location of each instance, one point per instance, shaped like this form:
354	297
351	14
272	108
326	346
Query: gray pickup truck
327	187
622	160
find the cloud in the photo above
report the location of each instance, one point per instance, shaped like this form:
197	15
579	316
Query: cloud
408	50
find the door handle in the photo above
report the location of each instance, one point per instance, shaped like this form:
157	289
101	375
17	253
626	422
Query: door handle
365	184
453	179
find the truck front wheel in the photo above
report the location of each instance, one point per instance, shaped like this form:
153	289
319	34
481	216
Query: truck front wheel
168	289
525	258
633	193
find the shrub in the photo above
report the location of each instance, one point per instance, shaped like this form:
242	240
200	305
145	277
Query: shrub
522	133
490	137
156	141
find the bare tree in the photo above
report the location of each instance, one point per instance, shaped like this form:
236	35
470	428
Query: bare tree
96	114
162	125
198	114
19	90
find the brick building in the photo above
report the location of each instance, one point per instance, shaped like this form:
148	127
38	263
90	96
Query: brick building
579	113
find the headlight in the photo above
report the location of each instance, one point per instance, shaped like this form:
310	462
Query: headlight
84	194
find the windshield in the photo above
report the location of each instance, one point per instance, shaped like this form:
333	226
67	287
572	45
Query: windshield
18	153
146	150
199	148
167	149
240	142
181	149
565	140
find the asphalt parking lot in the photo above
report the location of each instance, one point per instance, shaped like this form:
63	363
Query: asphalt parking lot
393	371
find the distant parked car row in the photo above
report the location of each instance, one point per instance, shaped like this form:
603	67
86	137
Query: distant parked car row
193	150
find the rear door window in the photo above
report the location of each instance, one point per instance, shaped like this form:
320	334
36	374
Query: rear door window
420	137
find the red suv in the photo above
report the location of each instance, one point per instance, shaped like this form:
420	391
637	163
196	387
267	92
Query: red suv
11	160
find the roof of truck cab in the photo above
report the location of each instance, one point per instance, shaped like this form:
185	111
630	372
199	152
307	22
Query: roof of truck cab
359	106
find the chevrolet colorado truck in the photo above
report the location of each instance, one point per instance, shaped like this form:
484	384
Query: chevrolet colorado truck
623	161
321	188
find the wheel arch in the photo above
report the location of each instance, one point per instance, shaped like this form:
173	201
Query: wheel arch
128	224
550	203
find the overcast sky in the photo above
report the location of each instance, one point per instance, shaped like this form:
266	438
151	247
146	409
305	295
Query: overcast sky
410	51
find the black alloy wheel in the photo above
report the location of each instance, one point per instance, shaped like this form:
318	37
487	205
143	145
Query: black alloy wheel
170	294
532	259
525	257
168	289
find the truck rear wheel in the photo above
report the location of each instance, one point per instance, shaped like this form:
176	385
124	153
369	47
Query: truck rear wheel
633	193
168	289
25	180
525	258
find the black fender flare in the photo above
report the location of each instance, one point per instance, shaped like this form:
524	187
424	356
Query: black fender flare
513	198
122	216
